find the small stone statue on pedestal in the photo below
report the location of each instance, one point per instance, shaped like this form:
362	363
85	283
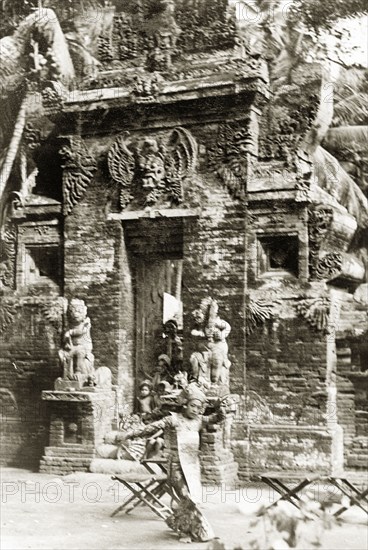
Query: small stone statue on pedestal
76	356
210	362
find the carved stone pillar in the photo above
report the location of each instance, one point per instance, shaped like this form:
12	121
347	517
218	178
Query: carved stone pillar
217	459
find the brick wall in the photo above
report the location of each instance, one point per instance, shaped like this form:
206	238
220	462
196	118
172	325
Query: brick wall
28	365
97	270
287	366
214	265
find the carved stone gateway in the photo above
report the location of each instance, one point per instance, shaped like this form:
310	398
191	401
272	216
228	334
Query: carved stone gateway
164	155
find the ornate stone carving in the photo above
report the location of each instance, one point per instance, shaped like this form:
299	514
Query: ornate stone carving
27	186
285	122
316	311
152	33
304	176
7	257
126	42
229	156
145	88
257	313
76	355
319	223
54	310
32	136
152	169
303	193
159	57
239	68
53	97
210	362
67	396
329	266
206	26
105	49
78	170
244	69
7	314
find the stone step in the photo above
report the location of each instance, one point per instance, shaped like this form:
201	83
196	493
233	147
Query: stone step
111	466
106	450
75	452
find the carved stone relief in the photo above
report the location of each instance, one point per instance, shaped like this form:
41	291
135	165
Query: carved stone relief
145	89
316	311
7	257
319	223
54	310
257	313
229	156
209	362
329	266
78	170
153	33
7	315
153	169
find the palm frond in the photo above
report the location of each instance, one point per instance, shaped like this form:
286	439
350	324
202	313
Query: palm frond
351	110
345	136
349	80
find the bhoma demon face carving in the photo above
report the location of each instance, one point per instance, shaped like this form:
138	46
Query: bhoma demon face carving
153	169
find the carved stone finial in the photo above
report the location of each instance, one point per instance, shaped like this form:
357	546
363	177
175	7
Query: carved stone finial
78	170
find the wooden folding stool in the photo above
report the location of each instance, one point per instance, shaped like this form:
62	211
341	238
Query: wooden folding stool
145	489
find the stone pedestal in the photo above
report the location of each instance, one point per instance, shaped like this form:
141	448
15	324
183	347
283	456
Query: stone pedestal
79	421
217	459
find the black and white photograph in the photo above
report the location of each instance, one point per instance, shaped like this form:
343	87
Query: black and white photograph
184	274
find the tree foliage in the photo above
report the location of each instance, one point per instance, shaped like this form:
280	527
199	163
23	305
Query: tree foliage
323	14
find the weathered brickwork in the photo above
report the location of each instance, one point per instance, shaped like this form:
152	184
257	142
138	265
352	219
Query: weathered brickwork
96	268
214	258
28	346
352	382
217	459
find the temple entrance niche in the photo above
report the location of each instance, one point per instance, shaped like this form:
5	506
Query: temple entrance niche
157	250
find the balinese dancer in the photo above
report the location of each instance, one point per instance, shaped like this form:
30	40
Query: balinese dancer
182	439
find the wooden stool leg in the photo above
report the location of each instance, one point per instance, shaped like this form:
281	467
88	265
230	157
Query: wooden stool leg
354	500
291	495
